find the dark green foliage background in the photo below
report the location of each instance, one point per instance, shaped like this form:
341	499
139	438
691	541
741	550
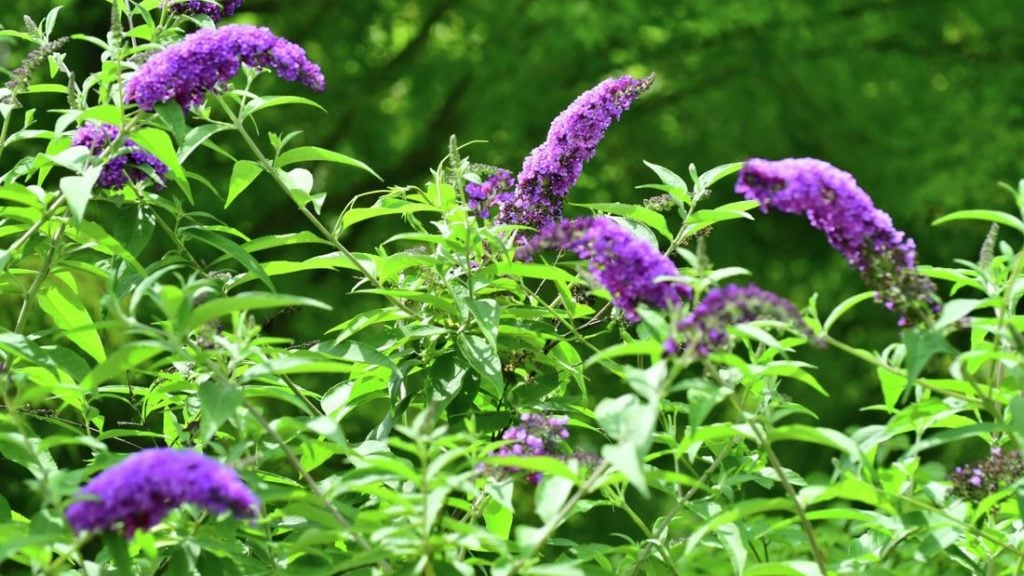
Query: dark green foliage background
919	99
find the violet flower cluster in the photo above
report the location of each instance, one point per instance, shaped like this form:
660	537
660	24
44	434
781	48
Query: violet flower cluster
209	58
552	168
140	490
704	330
833	202
214	10
1000	470
536	435
494	190
123	166
625	265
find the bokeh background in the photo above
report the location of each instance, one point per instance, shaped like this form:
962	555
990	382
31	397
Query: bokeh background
919	99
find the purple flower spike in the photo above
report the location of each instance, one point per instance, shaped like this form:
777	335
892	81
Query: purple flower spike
624	264
833	203
704	329
122	167
214	10
553	167
141	489
536	435
209	58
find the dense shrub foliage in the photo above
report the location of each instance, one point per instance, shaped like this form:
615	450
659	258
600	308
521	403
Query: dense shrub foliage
525	390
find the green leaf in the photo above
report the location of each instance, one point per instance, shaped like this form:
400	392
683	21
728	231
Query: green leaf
60	301
483	358
1017	418
383	207
219	402
119	363
218	307
196	137
635	213
264	102
172	115
715	174
921	345
987	215
844	307
624	458
116	546
232	250
243	174
315	153
77	190
893	386
551	496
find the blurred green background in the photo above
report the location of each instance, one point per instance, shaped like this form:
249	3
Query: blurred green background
918	99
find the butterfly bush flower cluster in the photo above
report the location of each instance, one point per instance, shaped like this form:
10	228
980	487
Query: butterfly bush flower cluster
833	202
535	435
209	58
122	167
140	490
496	188
625	265
704	330
552	168
1000	470
214	10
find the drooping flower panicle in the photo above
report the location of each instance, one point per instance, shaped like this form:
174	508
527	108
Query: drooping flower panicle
833	203
496	188
140	490
211	8
1000	470
704	330
552	168
536	435
123	166
625	265
209	58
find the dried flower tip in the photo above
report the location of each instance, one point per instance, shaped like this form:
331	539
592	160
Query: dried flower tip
21	76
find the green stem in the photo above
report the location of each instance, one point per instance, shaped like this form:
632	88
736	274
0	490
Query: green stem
776	464
663	529
37	282
550	526
268	167
312	485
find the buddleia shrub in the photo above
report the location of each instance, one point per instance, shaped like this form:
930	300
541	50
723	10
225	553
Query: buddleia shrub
518	382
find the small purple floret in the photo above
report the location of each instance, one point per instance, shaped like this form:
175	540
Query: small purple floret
625	265
553	167
495	189
140	490
209	58
833	203
1000	470
121	167
212	9
704	329
536	435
